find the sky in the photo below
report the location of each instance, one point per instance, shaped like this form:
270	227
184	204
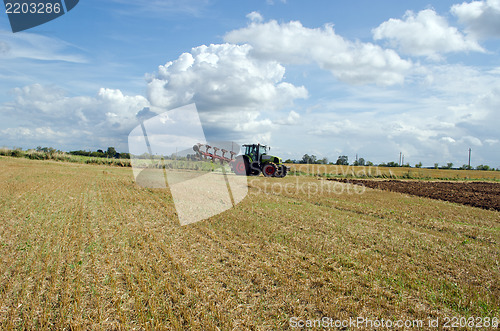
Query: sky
329	78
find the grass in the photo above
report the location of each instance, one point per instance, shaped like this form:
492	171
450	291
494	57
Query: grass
63	157
83	247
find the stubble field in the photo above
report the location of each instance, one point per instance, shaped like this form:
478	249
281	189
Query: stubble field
84	247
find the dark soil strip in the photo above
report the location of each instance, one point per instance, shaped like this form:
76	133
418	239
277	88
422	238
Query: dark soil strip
476	194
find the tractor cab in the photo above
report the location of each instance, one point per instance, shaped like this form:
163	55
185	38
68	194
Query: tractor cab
255	151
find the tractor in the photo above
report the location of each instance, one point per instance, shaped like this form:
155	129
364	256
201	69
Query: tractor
256	160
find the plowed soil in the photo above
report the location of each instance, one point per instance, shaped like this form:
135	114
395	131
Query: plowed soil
476	194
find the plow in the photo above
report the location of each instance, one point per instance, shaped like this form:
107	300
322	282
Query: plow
207	155
254	161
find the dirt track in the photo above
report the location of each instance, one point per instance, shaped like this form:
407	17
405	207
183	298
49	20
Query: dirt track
477	194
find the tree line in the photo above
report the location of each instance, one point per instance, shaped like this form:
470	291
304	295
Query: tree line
344	160
109	153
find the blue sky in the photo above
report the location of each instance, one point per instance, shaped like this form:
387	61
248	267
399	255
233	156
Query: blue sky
373	78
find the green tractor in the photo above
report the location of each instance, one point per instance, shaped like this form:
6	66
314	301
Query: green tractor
256	160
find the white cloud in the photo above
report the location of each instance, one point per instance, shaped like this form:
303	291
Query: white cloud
424	34
237	95
218	77
51	104
472	140
38	133
242	93
431	121
24	45
482	18
234	91
491	141
271	2
108	116
255	17
292	118
163	7
448	139
292	43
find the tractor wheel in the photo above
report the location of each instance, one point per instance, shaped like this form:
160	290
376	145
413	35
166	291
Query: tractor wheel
281	171
254	169
254	172
269	170
241	166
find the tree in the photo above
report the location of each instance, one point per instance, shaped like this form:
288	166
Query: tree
111	152
483	167
449	165
418	165
359	162
323	161
342	160
308	159
436	165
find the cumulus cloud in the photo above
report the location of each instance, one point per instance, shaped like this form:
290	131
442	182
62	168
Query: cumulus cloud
448	140
36	134
424	34
292	118
238	96
51	104
491	141
241	91
233	90
109	115
255	17
292	43
481	18
431	121
218	77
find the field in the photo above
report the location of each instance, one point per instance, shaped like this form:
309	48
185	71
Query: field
476	194
393	172
83	247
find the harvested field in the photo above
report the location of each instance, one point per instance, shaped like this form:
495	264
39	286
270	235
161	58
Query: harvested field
83	247
326	170
476	194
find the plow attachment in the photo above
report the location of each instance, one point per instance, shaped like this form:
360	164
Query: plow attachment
207	155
